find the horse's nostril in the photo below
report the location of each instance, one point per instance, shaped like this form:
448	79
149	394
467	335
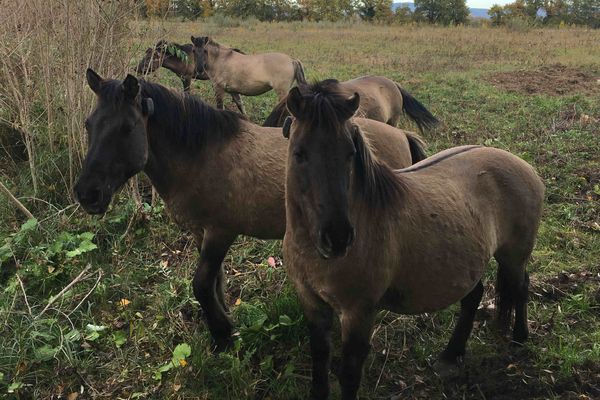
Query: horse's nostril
326	239
89	197
351	235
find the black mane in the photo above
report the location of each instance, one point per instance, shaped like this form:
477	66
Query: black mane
186	120
327	107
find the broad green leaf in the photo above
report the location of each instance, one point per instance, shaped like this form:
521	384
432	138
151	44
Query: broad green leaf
14	387
119	337
45	353
181	352
73	336
95	328
284	320
86	236
30	225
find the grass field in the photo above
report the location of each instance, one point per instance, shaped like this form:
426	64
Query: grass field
128	327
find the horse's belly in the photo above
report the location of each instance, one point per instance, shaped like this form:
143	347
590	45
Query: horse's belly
250	87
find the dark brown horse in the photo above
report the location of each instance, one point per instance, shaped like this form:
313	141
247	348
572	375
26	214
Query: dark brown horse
362	237
179	58
219	175
381	99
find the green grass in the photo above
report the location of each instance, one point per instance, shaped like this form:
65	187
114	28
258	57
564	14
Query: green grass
136	299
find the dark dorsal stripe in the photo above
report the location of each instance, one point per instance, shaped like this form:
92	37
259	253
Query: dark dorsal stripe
428	162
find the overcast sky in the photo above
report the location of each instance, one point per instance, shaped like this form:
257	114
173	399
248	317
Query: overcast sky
486	3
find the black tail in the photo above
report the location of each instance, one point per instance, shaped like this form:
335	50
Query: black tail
417	111
278	115
417	147
299	72
511	287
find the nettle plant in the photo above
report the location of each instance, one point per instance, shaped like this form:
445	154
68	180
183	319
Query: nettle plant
38	257
177	52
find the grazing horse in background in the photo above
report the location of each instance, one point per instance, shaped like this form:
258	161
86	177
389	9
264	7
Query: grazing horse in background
247	74
161	55
381	99
362	237
219	175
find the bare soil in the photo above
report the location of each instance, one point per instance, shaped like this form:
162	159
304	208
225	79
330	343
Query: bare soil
552	80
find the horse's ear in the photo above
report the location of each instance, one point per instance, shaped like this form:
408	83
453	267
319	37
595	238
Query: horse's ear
131	87
193	39
94	80
352	104
295	102
147	106
287	125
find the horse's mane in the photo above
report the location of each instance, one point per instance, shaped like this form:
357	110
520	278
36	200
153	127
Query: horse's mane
188	122
327	108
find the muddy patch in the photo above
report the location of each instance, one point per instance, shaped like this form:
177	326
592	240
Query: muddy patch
552	80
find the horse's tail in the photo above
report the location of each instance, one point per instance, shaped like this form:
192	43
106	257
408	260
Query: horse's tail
417	111
275	119
416	146
299	72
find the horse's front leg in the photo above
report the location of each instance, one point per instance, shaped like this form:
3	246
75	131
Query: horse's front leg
219	93
187	83
208	286
319	318
357	326
238	102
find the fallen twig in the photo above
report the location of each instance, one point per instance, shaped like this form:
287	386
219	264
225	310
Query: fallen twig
65	289
16	201
88	293
24	294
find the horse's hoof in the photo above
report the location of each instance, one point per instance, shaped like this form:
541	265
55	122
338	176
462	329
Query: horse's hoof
446	369
223	344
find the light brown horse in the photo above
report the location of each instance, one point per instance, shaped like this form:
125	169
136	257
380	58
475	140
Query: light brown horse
381	99
219	175
178	58
247	74
361	237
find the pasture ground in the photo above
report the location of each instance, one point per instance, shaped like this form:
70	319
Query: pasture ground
114	332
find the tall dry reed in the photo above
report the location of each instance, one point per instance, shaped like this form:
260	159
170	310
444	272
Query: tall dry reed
45	48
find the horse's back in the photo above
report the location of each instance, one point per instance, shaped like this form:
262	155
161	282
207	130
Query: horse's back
380	98
502	188
389	144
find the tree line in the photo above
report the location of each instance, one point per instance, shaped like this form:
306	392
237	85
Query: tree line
434	11
549	12
443	12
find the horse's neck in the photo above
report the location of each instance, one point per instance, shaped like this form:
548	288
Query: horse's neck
170	167
160	166
173	64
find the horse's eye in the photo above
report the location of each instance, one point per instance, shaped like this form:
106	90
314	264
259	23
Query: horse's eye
300	156
350	155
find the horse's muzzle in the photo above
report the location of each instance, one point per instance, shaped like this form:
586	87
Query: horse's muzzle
335	242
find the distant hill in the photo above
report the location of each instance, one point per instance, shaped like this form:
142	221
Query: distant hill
475	12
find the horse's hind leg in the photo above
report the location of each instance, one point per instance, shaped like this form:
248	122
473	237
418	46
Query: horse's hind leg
238	102
458	341
208	288
512	292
